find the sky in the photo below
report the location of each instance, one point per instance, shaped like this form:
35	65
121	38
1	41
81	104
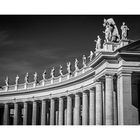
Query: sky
33	43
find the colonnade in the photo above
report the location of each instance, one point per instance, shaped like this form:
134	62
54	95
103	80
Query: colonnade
94	106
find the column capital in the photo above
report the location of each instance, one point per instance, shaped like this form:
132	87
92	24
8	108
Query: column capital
124	73
109	75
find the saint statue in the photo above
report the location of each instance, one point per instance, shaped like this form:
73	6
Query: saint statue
98	43
76	64
7	81
69	67
91	55
107	33
124	29
60	70
35	76
52	72
44	75
17	78
84	61
111	31
26	77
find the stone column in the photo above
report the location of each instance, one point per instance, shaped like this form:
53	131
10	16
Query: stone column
99	108
127	113
43	112
69	110
91	107
52	111
115	117
61	111
65	116
34	113
16	117
25	113
85	108
77	109
6	114
109	100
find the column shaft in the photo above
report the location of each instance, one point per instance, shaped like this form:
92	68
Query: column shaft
25	113
52	112
69	110
34	113
43	112
109	100
91	107
85	109
6	114
61	111
77	110
98	104
16	107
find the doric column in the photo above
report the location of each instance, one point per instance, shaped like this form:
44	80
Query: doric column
61	111
52	111
98	104
16	112
127	113
77	110
91	107
43	112
69	110
25	113
85	108
65	116
109	99
34	113
6	114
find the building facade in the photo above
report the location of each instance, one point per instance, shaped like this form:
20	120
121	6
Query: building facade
105	91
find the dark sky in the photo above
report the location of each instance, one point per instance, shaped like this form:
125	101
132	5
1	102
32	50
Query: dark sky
34	43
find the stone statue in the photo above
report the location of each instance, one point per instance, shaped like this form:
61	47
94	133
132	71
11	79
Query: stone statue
91	55
124	29
98	43
69	67
60	70
111	31
52	72
17	78
35	76
27	78
44	75
84	61
76	64
7	81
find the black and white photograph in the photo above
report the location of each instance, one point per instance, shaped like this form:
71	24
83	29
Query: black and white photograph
66	69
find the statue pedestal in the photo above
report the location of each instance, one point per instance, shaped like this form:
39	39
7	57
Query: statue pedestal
123	43
16	87
60	79
51	80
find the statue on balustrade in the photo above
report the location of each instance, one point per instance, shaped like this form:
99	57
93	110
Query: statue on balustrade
76	64
7	81
44	75
124	29
52	72
84	60
98	43
91	55
26	78
35	77
111	31
60	71
17	78
69	67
